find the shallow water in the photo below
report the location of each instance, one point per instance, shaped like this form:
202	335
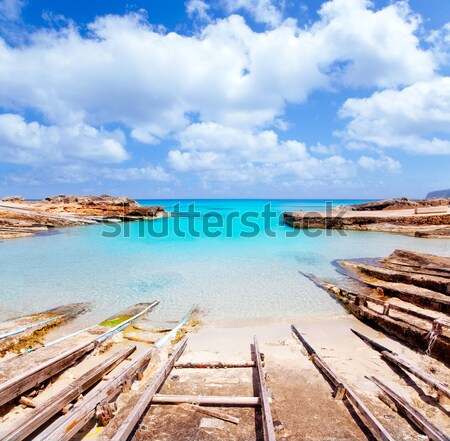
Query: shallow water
230	277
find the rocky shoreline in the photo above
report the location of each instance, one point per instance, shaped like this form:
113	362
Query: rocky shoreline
420	218
22	218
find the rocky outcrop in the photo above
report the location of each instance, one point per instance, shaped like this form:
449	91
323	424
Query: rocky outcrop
400	203
400	215
91	200
407	295
439	194
21	218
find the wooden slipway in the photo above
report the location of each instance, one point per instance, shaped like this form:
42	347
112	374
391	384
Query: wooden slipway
95	385
23	372
132	415
17	332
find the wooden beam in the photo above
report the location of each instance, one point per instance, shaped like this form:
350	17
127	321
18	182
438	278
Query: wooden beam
214	365
68	425
210	412
406	365
269	430
46	410
420	420
133	417
207	400
372	422
37	374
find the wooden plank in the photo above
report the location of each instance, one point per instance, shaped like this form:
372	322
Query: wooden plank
207	400
210	412
133	417
12	332
372	422
67	426
269	430
214	365
420	420
406	365
37	374
46	410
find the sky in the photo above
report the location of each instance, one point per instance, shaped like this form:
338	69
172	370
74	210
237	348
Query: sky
225	99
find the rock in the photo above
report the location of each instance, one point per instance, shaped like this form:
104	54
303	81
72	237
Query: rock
89	200
399	203
439	194
13	199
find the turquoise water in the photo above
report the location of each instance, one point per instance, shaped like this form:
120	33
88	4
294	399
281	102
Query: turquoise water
229	277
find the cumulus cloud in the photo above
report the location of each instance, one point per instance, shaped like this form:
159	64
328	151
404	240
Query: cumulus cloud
415	119
225	153
197	8
384	164
262	11
216	92
125	71
33	143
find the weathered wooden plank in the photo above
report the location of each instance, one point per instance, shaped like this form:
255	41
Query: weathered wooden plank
210	412
372	422
406	365
207	400
37	374
214	365
420	420
68	425
269	430
127	427
44	411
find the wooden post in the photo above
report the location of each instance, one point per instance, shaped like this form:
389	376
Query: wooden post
269	430
386	308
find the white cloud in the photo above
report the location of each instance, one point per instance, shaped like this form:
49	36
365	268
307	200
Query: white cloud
440	40
415	119
11	9
234	82
198	8
219	153
124	71
33	143
262	11
384	164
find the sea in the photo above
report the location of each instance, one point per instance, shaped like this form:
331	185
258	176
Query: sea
233	259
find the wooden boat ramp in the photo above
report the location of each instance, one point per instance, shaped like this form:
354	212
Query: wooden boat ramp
19	333
45	383
406	295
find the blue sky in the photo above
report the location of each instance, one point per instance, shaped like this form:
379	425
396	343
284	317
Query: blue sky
232	98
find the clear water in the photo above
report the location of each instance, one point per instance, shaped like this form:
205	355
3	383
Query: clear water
231	278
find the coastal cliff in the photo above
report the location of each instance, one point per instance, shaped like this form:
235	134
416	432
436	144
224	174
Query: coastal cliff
421	218
21	218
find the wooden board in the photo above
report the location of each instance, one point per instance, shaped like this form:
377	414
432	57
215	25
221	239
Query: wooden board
372	422
46	410
269	430
42	364
207	400
420	420
133	417
65	427
406	365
